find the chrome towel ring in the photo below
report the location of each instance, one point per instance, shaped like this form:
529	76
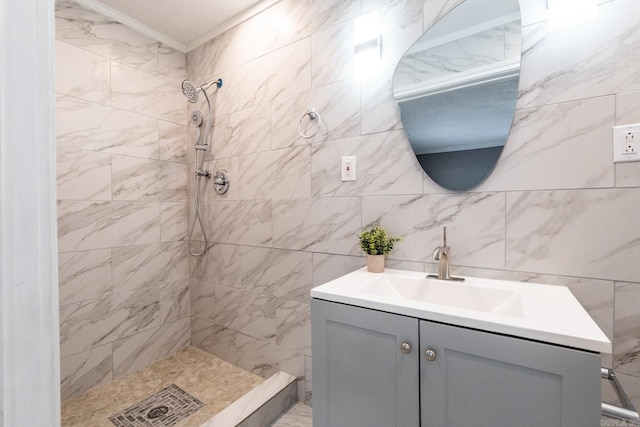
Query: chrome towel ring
313	115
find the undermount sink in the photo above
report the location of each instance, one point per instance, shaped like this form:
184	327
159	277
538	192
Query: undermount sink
445	293
538	312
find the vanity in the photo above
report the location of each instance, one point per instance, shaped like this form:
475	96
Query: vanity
400	349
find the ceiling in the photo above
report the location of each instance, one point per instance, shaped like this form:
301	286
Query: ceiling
188	23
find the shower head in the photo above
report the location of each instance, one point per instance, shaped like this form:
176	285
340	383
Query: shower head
190	90
196	118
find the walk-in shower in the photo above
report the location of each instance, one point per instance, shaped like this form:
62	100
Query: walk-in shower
221	178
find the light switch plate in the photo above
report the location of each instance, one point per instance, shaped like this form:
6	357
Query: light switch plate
626	143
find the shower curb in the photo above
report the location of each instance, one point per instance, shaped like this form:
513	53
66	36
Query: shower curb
261	406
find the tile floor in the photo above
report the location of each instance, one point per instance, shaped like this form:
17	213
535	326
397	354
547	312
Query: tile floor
298	416
212	381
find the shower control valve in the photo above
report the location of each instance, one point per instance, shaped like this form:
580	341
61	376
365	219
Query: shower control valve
221	181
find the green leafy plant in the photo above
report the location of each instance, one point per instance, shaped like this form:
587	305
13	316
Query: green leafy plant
376	241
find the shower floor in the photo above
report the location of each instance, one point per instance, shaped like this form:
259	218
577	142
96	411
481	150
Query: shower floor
210	380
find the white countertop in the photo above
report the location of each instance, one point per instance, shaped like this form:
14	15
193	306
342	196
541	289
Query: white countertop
534	311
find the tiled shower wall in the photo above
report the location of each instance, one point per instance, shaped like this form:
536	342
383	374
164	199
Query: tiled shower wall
122	199
556	209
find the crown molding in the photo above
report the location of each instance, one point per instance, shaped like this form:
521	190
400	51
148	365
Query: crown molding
133	24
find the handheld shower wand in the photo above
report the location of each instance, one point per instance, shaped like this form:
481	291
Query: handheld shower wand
191	92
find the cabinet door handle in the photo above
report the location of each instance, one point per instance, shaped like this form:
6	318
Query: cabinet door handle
405	348
430	355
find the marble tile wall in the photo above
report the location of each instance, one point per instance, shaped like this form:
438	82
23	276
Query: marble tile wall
556	209
122	199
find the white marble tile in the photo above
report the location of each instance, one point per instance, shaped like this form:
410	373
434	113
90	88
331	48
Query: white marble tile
82	74
175	301
172	182
281	73
434	10
581	233
202	299
332	52
82	371
264	358
404	265
172	65
339	108
83	175
327	267
276	174
281	273
174	221
250	313
378	107
140	350
298	416
143	179
96	33
310	17
627	108
135	178
323	225
548	141
140	92
90	324
136	267
401	24
475	226
84	275
293	326
384	165
86	225
172	142
214	339
243	222
84	125
585	60
220	265
626	345
242	132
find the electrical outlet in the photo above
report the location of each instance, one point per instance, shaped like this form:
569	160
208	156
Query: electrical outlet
629	143
626	143
349	168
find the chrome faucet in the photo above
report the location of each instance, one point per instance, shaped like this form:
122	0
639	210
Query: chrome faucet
441	254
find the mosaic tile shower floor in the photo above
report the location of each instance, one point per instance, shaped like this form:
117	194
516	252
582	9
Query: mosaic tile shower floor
210	380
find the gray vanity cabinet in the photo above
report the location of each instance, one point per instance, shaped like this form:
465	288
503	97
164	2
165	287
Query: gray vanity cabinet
363	375
483	379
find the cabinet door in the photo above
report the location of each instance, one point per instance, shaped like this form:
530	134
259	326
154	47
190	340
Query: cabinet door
480	379
361	378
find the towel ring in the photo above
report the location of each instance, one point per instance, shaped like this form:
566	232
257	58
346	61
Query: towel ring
313	115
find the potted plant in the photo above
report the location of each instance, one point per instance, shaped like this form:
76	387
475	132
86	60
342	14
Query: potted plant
376	243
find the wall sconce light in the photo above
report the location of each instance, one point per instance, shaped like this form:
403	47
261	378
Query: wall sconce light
563	13
368	46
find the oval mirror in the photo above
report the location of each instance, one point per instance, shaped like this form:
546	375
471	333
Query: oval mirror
457	88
